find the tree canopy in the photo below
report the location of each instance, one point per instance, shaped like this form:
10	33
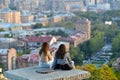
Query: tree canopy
59	33
92	46
1	30
76	55
103	73
116	44
37	25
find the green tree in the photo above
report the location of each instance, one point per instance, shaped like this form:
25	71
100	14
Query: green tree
107	73
26	52
1	30
19	54
96	42
37	25
109	14
76	55
92	46
73	51
39	34
116	44
103	73
92	16
85	49
59	32
12	8
6	35
117	73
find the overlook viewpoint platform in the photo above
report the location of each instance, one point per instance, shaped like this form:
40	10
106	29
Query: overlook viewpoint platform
31	73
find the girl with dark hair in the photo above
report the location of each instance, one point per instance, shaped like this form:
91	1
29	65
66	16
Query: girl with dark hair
45	56
62	59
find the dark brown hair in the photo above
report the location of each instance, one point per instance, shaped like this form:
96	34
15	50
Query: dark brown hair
61	51
44	48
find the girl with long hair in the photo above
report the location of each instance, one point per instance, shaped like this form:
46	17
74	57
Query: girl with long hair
45	56
62	59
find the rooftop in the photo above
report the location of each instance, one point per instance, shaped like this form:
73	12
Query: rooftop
3	51
39	39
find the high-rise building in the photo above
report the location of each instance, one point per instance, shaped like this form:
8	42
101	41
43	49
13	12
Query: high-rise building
9	16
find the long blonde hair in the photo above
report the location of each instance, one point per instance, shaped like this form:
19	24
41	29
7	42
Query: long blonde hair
44	49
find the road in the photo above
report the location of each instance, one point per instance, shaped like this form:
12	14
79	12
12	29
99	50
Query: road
98	54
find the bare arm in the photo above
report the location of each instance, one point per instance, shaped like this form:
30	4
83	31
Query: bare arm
50	57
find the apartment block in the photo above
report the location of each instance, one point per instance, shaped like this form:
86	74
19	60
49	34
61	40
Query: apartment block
84	25
10	16
74	5
63	5
27	18
27	5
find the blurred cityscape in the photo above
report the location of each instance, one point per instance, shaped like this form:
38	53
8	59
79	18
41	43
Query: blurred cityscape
88	28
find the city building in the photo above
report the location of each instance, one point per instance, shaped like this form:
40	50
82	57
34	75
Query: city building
58	43
29	60
13	4
22	33
6	43
103	6
32	59
10	16
27	5
115	4
26	26
8	58
40	15
36	41
27	18
75	39
92	2
16	28
74	5
57	18
4	3
43	21
64	5
55	5
84	25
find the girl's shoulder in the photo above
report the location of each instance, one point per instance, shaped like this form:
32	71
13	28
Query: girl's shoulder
48	53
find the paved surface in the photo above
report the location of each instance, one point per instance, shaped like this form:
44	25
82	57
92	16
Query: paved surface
31	74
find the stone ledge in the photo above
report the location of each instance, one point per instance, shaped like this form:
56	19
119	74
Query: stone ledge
31	74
